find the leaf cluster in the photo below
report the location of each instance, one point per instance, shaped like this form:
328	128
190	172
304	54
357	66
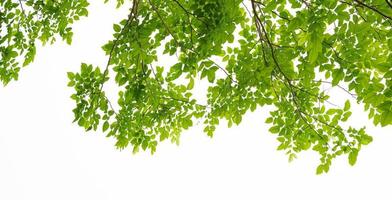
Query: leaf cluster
251	53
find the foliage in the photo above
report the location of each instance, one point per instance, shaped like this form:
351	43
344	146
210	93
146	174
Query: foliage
24	22
252	53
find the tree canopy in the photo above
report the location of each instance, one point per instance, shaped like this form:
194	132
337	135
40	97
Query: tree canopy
252	54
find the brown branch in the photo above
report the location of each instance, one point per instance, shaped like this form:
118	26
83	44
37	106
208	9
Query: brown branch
341	87
373	9
131	17
22	8
389	3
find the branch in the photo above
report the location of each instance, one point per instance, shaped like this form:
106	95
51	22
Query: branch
131	17
389	3
22	8
344	89
372	8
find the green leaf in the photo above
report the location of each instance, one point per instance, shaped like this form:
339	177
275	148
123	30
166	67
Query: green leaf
352	157
116	27
70	75
386	118
105	126
274	129
320	169
366	139
337	76
315	42
346	106
269	120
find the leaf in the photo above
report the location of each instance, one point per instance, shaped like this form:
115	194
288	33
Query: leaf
315	42
211	76
386	118
187	123
320	169
346	106
70	75
116	27
337	76
292	157
237	119
314	51
105	126
366	139
191	84
352	157
108	47
274	129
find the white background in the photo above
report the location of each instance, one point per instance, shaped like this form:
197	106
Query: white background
43	156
